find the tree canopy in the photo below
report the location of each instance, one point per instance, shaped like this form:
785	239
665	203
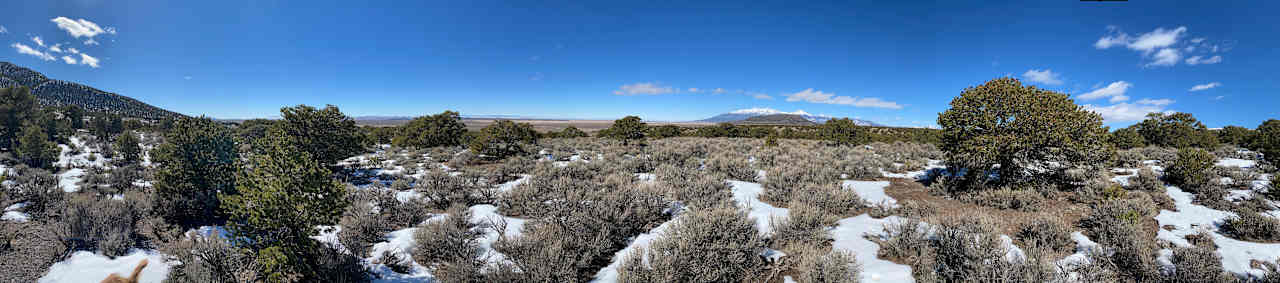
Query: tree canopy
1025	130
444	129
504	138
1176	130
325	134
627	129
198	161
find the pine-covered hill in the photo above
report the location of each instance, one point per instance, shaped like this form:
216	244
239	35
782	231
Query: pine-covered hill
52	92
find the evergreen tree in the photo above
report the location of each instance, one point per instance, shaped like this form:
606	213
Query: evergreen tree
17	106
627	129
326	135
75	114
1028	131
1177	130
844	132
1126	138
503	139
444	129
197	162
281	198
127	145
34	148
1267	140
664	131
1236	135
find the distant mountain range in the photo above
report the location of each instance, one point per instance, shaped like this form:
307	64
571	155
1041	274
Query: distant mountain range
777	120
50	92
744	114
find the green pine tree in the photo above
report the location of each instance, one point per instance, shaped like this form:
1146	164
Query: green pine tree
281	197
34	148
197	162
127	145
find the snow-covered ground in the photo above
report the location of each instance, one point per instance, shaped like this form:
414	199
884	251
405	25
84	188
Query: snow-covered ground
609	274
848	235
747	195
1242	163
13	213
871	192
86	266
1237	256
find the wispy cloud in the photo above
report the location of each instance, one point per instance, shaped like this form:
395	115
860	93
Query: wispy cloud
644	89
814	96
81	27
56	48
38	41
1045	76
69	60
1157	46
85	59
1155	102
760	95
24	49
1207	86
1197	60
4	30
1115	91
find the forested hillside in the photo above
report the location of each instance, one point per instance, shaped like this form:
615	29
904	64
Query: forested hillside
50	92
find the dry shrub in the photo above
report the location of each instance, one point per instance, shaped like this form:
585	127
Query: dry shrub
1241	179
782	182
210	259
804	226
966	249
1008	198
1046	232
450	247
1116	225
28	249
831	199
361	228
717	244
101	224
813	265
1249	225
1146	180
1196	264
731	166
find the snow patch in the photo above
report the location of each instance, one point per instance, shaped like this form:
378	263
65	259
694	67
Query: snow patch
849	234
86	266
747	195
872	192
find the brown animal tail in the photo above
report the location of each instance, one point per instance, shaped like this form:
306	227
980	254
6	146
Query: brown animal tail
137	271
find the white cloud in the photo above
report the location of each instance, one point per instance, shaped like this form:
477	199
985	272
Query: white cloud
56	48
81	27
24	49
1158	45
643	89
814	96
3	30
1158	38
1165	57
1045	76
69	60
90	42
758	95
1124	112
1197	40
1196	60
73	50
1114	90
38	41
1155	102
1207	86
85	59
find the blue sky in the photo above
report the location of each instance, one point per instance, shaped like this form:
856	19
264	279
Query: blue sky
893	62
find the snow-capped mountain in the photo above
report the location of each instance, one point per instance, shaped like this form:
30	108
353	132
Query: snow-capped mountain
743	114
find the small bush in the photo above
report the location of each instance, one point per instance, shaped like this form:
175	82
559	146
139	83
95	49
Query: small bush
1191	170
1249	225
1008	198
450	247
1196	264
1046	232
835	266
1116	225
1146	180
733	167
804	226
713	245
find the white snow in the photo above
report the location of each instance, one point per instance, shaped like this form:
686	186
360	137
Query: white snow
1242	163
871	192
69	181
849	234
747	195
399	242
609	274
1191	218
86	266
488	214
1123	180
504	187
915	175
11	213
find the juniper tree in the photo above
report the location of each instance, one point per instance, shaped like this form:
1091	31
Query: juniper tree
664	131
1025	130
1236	135
34	148
279	200
1126	138
1267	140
326	134
1176	130
444	129
504	138
843	131
17	105
127	145
627	129
572	132
197	162
76	115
